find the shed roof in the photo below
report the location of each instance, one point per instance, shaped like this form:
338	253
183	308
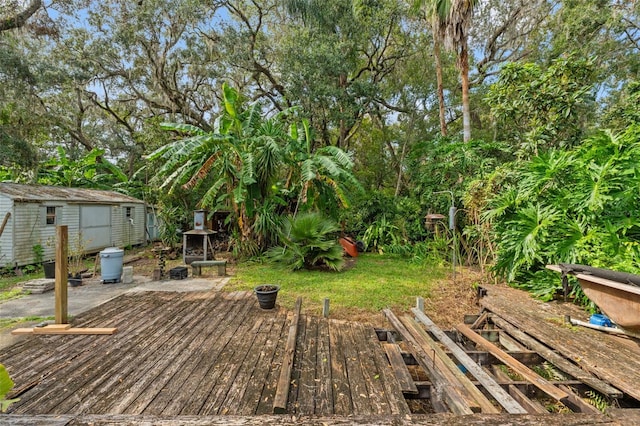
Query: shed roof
40	193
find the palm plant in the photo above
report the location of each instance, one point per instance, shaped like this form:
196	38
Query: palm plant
450	21
318	176
309	241
236	164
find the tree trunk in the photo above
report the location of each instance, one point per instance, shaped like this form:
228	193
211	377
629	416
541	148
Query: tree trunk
440	88
464	74
18	20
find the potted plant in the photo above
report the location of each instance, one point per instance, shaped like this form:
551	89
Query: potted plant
76	261
267	294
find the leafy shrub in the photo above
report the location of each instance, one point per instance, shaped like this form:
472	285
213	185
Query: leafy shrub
308	241
572	207
380	235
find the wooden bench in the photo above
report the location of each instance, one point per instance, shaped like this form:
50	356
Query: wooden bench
197	266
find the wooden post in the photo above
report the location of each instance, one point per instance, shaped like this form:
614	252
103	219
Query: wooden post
420	304
4	222
325	307
62	240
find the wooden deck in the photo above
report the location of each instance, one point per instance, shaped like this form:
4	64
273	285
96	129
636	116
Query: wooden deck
201	354
216	358
611	358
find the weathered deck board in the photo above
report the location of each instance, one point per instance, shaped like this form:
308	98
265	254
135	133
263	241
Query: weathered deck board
304	387
232	371
215	359
614	418
31	356
601	354
558	360
374	390
384	373
324	389
256	385
339	380
265	405
83	362
173	377
189	378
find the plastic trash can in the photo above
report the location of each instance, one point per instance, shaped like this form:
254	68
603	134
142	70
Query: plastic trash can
111	260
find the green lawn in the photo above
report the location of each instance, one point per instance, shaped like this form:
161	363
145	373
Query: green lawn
373	283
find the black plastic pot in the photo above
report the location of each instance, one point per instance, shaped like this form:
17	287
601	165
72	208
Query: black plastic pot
267	294
49	269
74	282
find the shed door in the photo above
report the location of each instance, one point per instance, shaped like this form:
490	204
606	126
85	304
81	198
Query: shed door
95	223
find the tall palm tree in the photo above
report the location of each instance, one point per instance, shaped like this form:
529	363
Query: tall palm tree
437	22
458	15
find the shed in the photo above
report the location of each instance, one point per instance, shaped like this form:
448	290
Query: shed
96	219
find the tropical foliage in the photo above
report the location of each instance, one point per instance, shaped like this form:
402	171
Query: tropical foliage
571	206
257	166
360	110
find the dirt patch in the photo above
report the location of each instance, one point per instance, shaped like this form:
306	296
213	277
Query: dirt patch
451	299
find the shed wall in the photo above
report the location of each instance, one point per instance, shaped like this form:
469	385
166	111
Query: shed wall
30	228
128	230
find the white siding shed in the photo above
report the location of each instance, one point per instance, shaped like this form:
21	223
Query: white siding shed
96	219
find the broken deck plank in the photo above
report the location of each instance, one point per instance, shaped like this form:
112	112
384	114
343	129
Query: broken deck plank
557	360
518	367
532	407
503	398
447	366
400	368
449	392
605	356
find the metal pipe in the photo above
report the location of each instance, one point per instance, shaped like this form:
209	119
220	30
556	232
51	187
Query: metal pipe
452	227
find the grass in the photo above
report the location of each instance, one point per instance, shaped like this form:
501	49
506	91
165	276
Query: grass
373	282
13	322
8	281
13	293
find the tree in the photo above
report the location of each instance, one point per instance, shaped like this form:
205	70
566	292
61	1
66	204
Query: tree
437	23
457	17
11	16
536	109
336	57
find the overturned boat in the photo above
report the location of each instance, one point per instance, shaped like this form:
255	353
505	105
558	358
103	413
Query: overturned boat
617	294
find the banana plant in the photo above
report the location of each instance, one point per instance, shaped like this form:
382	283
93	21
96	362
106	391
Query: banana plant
252	164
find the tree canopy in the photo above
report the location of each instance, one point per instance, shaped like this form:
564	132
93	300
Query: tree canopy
269	107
